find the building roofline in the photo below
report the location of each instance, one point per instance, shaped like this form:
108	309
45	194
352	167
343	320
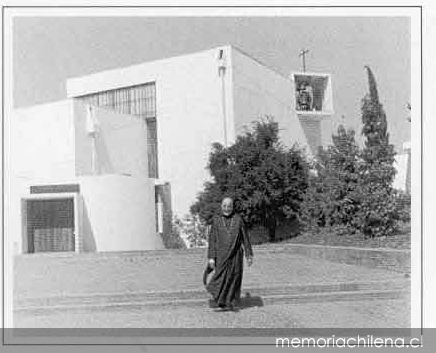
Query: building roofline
148	62
243	52
227	45
71	81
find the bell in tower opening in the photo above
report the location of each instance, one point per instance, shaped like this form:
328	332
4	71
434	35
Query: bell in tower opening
312	92
313	106
304	98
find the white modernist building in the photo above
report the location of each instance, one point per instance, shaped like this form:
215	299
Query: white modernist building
191	101
106	169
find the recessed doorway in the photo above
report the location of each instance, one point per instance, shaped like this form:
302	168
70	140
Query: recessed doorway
49	225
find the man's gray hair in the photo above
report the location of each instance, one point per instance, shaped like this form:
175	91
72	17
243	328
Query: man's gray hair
228	198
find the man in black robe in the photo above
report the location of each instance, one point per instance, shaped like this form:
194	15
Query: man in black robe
227	240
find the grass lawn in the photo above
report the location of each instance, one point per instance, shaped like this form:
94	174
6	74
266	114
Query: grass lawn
326	237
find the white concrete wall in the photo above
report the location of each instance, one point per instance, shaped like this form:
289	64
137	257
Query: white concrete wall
402	165
50	142
121	146
259	91
39	146
41	142
14	191
118	213
46	144
189	114
189	120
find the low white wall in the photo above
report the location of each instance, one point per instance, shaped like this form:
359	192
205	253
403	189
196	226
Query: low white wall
118	213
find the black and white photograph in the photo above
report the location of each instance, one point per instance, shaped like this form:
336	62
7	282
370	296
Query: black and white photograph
247	175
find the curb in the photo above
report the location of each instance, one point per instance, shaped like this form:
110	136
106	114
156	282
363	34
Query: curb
263	295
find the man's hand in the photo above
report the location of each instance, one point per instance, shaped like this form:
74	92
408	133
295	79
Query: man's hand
249	260
212	263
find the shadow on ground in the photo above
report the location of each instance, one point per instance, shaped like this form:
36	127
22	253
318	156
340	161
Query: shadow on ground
249	301
245	302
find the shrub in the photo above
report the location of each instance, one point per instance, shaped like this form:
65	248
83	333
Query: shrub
192	229
328	200
173	240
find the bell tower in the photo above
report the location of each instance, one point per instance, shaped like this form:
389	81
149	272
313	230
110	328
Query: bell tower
312	102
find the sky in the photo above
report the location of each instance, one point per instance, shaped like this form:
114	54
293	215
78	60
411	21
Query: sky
48	50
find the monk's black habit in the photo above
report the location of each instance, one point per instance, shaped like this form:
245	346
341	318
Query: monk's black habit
227	238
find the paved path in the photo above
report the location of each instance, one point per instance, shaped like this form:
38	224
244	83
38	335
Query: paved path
135	290
378	313
40	276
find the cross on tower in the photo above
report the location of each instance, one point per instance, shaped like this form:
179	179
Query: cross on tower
302	54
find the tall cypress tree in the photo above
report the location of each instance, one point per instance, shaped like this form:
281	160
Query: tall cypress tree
377	215
378	154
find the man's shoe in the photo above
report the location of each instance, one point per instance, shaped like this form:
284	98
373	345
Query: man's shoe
226	307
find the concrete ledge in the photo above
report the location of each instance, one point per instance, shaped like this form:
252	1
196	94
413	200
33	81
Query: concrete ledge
202	302
382	258
301	293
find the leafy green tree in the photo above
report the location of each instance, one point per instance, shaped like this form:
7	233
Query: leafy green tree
266	180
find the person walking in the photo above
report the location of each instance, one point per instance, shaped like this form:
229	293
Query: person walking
228	239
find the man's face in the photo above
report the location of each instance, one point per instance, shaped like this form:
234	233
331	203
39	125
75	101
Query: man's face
227	206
